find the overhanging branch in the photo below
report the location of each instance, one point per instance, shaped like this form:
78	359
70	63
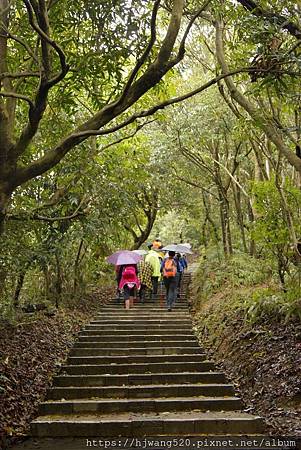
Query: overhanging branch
18	96
158	107
273	17
145	54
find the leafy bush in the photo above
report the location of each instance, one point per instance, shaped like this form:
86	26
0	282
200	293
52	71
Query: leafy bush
239	280
264	305
239	270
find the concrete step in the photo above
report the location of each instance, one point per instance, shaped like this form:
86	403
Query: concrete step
136	337
139	321
138	359
133	326
144	391
108	406
138	317
140	372
138	379
161	293
135	344
151	308
135	351
164	314
84	366
143	309
153	424
131	330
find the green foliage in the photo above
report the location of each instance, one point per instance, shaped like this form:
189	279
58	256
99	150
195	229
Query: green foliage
240	270
243	286
195	160
271	226
264	305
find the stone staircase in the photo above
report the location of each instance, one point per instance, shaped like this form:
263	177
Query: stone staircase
141	372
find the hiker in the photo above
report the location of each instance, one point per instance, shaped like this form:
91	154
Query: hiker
145	277
161	253
118	273
182	266
153	259
170	269
157	244
129	282
183	262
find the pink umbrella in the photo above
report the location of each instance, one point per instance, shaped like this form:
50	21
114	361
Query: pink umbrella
124	257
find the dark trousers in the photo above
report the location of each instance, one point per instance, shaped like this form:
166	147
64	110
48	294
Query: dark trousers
171	290
142	292
179	276
155	281
129	292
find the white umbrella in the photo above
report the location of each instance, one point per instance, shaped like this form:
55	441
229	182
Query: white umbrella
140	252
178	248
186	245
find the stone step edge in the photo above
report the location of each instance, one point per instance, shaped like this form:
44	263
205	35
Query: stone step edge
146	386
70	358
135	348
129	425
172	356
118	330
199	355
133	342
141	375
151	321
167	337
139	400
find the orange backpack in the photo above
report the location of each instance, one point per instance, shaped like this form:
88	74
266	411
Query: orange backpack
169	268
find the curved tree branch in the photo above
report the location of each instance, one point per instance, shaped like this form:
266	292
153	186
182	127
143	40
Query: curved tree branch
145	54
44	36
262	122
273	17
18	96
18	75
53	156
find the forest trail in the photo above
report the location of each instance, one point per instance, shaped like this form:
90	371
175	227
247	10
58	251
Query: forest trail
141	372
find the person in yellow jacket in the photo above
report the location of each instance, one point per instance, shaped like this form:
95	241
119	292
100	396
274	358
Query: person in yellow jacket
154	260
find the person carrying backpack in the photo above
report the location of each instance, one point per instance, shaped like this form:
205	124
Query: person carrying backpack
145	277
153	259
169	270
130	283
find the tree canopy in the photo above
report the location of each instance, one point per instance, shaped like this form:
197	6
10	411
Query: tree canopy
121	120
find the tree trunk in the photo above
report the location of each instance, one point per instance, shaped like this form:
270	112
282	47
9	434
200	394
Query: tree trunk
225	223
240	219
47	282
260	118
209	218
252	247
20	282
282	267
228	228
204	228
58	283
76	267
4	202
151	215
3	274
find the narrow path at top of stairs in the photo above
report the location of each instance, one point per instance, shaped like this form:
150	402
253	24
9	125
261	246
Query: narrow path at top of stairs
141	372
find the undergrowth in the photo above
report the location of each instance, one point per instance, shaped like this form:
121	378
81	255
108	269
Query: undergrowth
247	288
